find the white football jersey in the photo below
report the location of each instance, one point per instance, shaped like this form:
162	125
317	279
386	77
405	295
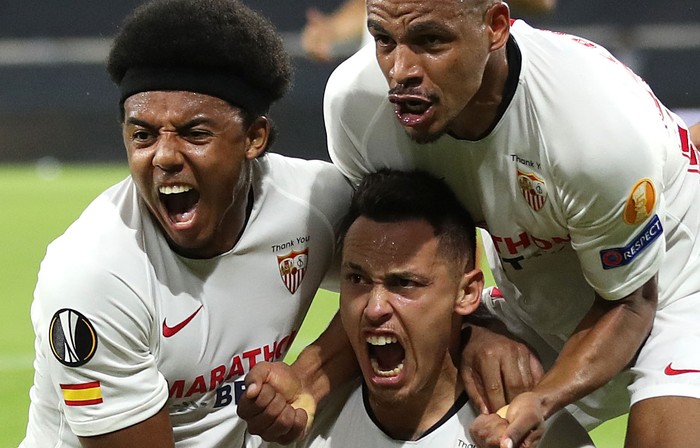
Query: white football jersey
125	326
587	183
349	422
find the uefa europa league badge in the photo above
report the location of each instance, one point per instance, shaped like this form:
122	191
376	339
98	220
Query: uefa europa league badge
72	338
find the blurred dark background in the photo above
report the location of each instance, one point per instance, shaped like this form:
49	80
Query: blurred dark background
56	99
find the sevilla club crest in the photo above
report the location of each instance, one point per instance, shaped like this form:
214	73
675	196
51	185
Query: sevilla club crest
292	268
533	189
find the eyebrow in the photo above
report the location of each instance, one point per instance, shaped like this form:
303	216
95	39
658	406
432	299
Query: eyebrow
353	266
428	26
189	124
402	274
374	25
137	122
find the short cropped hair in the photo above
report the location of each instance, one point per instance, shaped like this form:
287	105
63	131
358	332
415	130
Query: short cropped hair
204	36
392	196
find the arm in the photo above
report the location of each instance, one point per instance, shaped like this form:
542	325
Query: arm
603	344
322	32
122	370
280	400
155	432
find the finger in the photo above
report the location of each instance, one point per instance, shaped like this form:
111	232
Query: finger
255	379
249	408
533	438
517	378
297	430
491	377
517	430
536	369
486	430
275	418
475	390
506	443
314	15
281	380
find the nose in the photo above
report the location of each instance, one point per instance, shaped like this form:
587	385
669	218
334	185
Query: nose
167	155
378	309
405	69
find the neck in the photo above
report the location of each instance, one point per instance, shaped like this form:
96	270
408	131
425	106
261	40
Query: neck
479	116
410	417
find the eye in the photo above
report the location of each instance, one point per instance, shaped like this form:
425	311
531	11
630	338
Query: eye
405	283
402	282
431	40
383	41
197	135
355	279
142	136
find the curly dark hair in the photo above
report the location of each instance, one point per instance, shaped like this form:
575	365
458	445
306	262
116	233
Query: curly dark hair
219	35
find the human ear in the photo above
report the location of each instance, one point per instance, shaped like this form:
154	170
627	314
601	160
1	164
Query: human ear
257	137
498	21
469	296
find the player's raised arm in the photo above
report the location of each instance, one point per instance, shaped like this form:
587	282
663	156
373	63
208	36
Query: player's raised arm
280	400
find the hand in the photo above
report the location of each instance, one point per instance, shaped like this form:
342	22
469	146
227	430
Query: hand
497	431
495	369
318	36
274	405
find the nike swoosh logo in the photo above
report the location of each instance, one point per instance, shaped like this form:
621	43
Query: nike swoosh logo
170	331
671	371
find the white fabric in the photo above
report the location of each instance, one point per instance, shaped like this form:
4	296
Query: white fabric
347	422
583	132
114	266
354	427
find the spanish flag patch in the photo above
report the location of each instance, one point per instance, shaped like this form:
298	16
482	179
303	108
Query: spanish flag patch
82	394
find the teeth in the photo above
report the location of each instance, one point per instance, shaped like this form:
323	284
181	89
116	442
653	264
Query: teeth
385	373
381	340
175	189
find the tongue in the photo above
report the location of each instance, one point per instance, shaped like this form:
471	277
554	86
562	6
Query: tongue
388	356
181	206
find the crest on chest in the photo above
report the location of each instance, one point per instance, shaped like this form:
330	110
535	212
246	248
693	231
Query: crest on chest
292	267
533	189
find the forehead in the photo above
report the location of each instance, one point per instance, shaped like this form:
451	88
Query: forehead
172	103
379	244
407	11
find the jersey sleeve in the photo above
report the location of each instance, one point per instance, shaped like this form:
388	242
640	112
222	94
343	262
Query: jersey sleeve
354	93
94	331
611	173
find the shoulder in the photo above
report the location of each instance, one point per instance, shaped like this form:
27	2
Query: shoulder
357	83
301	175
579	75
102	242
581	95
316	183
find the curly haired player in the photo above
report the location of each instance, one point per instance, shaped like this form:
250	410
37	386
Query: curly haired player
172	284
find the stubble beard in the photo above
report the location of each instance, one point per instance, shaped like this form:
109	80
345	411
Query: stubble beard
424	139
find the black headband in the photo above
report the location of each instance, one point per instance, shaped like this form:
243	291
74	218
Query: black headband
226	86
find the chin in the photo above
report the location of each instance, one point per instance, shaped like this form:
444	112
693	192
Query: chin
423	138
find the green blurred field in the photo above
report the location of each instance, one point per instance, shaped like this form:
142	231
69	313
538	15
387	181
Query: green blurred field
39	203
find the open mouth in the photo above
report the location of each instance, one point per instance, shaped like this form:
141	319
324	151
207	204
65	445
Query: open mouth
180	201
386	355
412	107
411	110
